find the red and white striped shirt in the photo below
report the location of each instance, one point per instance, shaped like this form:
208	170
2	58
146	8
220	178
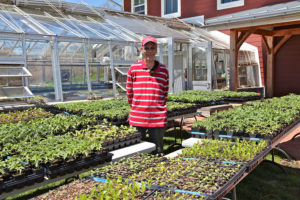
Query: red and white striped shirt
147	93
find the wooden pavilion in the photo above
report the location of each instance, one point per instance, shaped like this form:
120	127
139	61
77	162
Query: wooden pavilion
278	26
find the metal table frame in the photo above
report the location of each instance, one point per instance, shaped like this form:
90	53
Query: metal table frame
182	117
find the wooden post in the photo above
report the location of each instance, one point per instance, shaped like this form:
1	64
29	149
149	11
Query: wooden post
270	68
233	73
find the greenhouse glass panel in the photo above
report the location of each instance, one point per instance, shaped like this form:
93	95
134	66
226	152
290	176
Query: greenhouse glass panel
73	71
221	65
53	26
82	30
199	64
146	26
108	31
100	81
91	30
71	53
39	63
123	70
248	70
22	23
137	52
121	78
99	53
38	50
122	53
99	69
5	27
14	72
11	81
11	48
14	92
164	54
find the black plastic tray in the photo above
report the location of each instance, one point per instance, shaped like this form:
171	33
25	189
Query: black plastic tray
241	99
198	134
36	176
77	165
290	126
114	145
183	111
258	159
218	194
228	186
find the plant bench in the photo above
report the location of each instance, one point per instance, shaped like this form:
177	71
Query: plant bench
207	111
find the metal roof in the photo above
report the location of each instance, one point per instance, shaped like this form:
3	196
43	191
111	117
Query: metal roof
278	13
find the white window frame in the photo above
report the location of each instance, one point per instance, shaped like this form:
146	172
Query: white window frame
145	6
221	6
177	14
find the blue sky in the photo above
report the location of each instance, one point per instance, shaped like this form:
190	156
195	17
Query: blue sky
98	3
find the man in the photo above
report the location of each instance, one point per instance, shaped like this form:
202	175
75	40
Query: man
147	91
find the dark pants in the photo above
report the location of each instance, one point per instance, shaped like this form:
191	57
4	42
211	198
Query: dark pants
156	136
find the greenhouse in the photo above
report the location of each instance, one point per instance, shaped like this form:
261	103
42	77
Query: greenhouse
65	51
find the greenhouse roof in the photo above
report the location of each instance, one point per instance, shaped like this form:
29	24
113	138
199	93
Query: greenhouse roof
271	14
78	21
47	22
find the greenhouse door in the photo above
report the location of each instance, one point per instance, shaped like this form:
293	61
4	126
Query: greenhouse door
201	59
174	60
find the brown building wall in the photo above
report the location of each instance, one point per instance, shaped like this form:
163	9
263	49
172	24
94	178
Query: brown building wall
127	5
154	7
208	8
287	68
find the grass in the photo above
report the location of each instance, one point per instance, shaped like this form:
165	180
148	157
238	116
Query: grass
268	182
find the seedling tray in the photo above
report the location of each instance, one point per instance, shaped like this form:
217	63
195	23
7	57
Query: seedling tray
123	142
241	99
169	194
69	167
216	161
286	129
201	134
208	103
218	194
228	186
14	183
258	159
117	122
183	111
249	165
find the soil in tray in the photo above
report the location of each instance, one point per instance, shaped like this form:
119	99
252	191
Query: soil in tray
206	178
165	173
128	166
174	196
69	191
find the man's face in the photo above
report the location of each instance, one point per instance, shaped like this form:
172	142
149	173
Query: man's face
149	50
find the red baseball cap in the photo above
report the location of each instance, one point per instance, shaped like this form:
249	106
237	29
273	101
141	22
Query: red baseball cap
148	39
